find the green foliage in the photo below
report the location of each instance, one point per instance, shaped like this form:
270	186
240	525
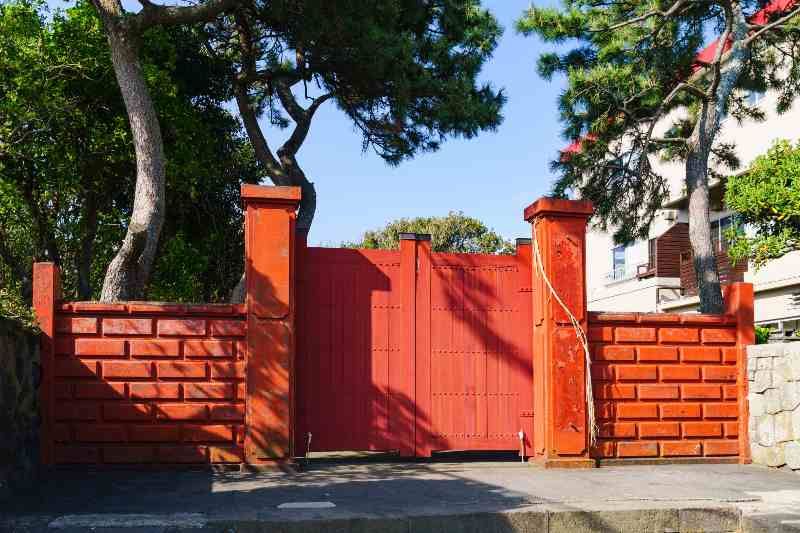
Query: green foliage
67	166
622	64
767	199
762	334
14	308
404	72
455	232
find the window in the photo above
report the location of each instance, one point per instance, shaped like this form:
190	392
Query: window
618	260
651	254
718	230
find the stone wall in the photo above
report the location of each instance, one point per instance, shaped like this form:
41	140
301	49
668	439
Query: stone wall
19	406
773	372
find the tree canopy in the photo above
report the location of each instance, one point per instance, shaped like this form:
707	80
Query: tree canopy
455	232
67	164
766	199
641	85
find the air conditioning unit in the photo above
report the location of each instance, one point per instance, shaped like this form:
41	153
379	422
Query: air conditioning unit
669	215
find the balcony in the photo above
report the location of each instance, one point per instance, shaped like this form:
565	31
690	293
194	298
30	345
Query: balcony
728	271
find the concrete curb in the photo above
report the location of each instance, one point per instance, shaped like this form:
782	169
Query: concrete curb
535	519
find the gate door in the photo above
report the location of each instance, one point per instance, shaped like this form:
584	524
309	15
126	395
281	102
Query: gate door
412	351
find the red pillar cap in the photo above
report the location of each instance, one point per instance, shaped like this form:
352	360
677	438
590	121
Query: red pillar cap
558	206
264	193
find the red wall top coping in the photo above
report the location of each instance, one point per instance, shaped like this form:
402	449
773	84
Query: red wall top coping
157	308
558	206
661	318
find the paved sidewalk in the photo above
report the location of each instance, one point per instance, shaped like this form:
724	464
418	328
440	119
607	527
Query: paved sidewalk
417	497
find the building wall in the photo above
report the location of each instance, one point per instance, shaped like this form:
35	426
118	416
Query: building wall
772	284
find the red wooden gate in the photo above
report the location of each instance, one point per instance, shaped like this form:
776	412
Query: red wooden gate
413	351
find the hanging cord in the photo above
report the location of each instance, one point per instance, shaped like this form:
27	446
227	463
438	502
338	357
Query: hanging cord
579	334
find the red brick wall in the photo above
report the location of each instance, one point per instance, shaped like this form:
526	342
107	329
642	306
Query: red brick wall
148	383
665	385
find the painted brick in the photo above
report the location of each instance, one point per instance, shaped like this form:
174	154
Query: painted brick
601	334
730	355
613	317
155	348
76	324
637	372
64	345
69	367
696	354
61	433
182	454
227	412
720	410
63	391
692	318
127	326
76	455
127	369
207	433
658	392
721	447
719	373
126	411
700	392
635	334
208	391
241	391
731	429
208	348
155	433
75	411
702	429
241	349
681	449
729	392
680	410
188	327
719	335
660	318
227	370
604	410
617	430
128	454
99	347
657	353
219	454
614	353
659	429
182	411
637	410
679	373
605	448
181	370
100	391
99	433
228	328
637	449
602	372
152	391
678	335
615	392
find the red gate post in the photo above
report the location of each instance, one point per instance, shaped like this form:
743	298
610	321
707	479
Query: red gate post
46	293
269	269
561	436
739	304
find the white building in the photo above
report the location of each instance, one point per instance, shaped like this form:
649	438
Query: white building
657	275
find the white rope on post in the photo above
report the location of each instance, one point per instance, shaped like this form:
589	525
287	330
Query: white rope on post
579	334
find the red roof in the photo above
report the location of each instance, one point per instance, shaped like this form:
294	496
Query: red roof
707	55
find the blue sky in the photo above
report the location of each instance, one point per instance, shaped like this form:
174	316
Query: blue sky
491	177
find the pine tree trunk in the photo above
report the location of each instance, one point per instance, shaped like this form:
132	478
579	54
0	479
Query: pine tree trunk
129	271
699	146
